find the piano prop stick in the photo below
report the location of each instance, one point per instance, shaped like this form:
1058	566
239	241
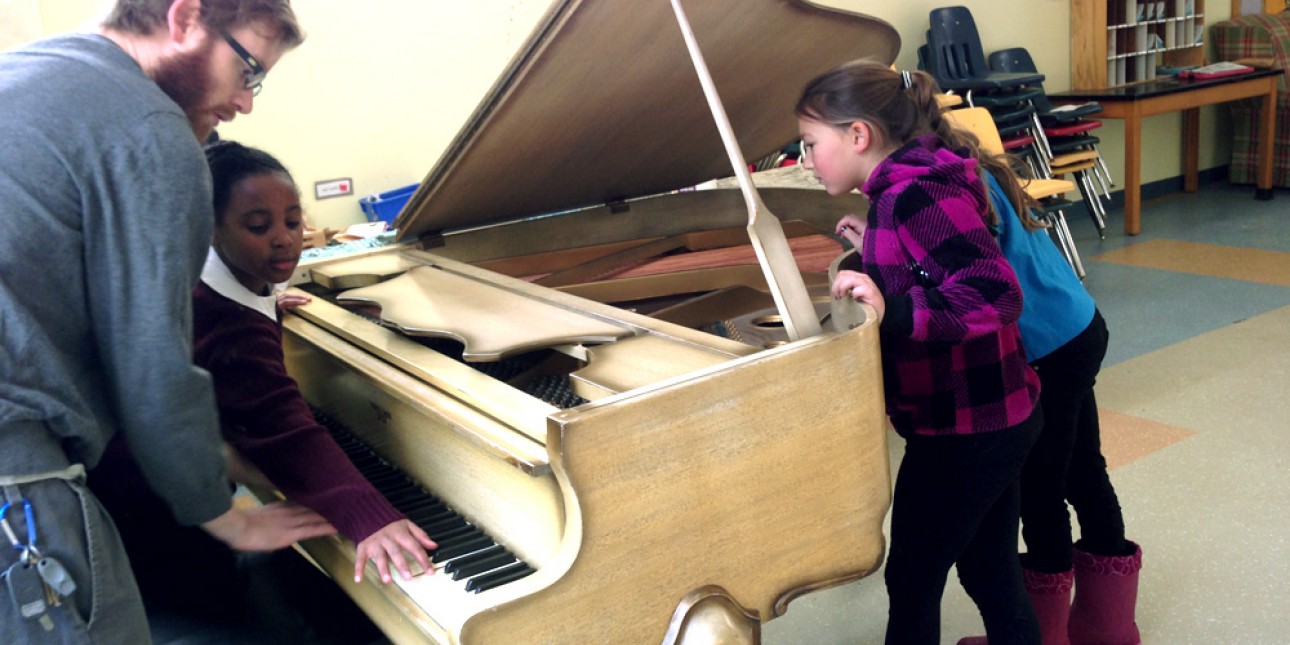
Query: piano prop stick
764	229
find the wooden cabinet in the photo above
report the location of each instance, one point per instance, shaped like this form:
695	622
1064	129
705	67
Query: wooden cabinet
1243	7
1115	42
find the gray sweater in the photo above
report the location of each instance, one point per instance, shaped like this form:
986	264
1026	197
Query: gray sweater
105	216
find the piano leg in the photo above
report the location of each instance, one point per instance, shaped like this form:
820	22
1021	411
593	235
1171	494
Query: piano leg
710	615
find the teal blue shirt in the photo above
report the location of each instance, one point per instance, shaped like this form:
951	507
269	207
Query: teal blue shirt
1056	308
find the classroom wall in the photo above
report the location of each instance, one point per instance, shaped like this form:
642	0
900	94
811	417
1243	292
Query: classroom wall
380	88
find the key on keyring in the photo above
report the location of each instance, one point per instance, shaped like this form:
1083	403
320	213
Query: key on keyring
27	590
56	576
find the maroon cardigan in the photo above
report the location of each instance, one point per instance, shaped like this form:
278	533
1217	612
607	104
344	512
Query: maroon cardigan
265	418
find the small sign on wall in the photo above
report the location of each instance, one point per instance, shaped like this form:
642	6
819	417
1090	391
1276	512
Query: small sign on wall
333	188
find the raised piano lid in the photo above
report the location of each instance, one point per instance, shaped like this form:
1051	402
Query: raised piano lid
602	105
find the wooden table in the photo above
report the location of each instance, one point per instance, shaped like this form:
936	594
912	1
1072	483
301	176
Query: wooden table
1139	100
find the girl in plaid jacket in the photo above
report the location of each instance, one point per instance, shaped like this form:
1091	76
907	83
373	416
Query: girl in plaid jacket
957	385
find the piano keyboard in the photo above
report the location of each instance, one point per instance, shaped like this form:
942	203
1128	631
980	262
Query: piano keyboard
465	552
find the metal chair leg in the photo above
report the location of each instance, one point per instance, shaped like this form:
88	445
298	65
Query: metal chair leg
1094	203
1066	243
1101	164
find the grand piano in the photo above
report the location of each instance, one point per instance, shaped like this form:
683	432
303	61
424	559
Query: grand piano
609	451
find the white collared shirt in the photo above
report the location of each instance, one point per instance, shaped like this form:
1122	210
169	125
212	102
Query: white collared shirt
217	276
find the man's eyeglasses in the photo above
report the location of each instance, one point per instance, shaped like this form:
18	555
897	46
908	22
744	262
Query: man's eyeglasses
253	77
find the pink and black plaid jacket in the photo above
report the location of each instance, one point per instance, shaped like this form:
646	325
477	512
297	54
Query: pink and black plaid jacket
951	351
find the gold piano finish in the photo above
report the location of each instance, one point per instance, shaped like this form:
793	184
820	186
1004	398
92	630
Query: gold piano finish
706	481
764	474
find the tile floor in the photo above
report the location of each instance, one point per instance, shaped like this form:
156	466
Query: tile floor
1195	400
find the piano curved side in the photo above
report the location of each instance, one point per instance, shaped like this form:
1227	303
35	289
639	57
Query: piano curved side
766	476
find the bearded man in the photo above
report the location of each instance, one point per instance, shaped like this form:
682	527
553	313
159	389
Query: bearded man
105	223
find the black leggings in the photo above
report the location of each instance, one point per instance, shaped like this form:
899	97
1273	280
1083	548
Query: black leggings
1066	463
957	503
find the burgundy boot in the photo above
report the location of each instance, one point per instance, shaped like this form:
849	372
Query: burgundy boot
1106	596
1050	595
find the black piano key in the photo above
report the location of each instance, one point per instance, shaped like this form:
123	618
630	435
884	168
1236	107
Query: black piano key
459	537
479	543
480	565
482	554
498	577
427	507
442	525
400	485
374	470
471	541
387	479
440	519
444	537
437	520
404	496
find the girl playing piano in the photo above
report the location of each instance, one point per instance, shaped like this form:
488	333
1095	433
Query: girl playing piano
272	440
259	229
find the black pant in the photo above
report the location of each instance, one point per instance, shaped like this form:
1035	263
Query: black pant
957	503
275	598
197	590
1067	463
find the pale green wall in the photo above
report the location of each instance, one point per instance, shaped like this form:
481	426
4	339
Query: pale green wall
381	87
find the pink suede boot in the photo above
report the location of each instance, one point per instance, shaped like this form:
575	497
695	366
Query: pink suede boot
1050	595
1106	597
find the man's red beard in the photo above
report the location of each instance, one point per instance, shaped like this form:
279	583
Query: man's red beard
186	80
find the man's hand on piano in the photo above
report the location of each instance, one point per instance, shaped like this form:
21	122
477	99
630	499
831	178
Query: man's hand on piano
269	527
390	544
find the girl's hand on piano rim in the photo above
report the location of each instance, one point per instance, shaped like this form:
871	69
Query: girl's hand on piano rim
288	300
852	228
391	543
861	288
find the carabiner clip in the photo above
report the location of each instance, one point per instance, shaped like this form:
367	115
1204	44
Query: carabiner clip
31	526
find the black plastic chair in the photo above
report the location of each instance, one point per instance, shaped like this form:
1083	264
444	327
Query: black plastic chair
1018	60
957	60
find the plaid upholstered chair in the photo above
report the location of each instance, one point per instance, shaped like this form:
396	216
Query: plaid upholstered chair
1265	37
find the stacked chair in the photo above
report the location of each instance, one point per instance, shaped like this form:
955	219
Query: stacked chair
1052	143
953	55
1072	150
1048	192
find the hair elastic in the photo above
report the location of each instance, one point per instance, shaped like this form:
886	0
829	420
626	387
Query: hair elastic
906	79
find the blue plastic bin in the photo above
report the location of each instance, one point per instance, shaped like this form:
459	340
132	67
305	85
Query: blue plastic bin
386	206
